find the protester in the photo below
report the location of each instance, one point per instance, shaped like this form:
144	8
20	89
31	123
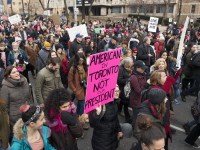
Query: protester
15	91
47	80
124	77
29	131
152	135
106	125
4	126
62	120
43	56
137	83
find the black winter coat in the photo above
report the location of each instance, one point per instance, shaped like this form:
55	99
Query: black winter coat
123	77
74	48
143	52
106	128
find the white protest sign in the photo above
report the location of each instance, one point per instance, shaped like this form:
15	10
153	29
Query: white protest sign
47	13
82	29
181	43
152	26
14	19
170	19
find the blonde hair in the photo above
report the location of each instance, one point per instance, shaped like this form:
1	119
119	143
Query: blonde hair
155	78
158	61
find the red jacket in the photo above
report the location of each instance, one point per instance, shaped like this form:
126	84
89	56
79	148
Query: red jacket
159	46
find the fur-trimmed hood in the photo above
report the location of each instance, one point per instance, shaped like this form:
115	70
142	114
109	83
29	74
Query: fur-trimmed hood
18	129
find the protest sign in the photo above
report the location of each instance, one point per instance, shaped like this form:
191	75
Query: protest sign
152	26
14	19
82	29
47	13
56	19
102	78
181	43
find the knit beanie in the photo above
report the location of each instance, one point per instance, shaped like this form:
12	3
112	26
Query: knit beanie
47	44
156	96
57	46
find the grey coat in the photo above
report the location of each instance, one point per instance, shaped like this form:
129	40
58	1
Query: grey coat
15	93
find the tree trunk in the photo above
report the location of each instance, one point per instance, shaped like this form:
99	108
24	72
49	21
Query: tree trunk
83	9
47	4
90	8
23	7
179	11
66	10
29	7
5	5
41	4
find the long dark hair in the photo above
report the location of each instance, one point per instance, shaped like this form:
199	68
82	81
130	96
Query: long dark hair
76	61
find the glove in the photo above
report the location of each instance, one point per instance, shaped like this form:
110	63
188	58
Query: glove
67	118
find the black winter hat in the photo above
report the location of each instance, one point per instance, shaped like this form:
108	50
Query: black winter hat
57	46
156	96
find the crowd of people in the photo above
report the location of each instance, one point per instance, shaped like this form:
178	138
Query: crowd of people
51	115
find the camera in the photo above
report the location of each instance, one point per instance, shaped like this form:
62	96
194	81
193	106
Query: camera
84	83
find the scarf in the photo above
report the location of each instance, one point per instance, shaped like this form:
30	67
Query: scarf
153	111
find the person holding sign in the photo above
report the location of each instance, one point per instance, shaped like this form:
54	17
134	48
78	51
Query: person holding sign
107	130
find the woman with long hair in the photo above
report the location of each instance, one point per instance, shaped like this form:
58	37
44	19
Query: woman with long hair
77	78
60	112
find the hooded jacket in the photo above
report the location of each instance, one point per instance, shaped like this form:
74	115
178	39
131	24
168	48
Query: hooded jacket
15	93
20	141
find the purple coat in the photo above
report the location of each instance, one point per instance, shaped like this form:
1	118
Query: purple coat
137	82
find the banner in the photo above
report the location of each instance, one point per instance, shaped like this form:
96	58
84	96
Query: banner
102	78
47	13
152	26
181	43
82	29
14	19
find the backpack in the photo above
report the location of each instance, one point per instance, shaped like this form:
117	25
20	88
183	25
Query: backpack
127	89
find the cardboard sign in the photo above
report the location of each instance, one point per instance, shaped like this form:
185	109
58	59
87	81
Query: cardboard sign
152	26
82	29
14	19
102	78
56	19
181	43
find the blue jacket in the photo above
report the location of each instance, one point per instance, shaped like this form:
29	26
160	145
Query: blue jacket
20	141
11	59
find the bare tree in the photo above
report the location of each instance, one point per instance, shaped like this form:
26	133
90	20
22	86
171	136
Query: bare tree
29	8
41	4
179	11
83	9
66	10
90	9
23	6
47	4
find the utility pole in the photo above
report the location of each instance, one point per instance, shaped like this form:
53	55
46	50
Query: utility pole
75	13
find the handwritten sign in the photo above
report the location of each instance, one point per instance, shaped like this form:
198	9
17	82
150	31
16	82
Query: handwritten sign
14	19
102	78
152	26
181	43
82	29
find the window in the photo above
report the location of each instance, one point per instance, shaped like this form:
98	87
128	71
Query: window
19	3
160	9
116	10
171	8
25	4
193	8
13	3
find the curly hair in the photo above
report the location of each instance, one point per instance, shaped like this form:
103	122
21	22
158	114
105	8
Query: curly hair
55	99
